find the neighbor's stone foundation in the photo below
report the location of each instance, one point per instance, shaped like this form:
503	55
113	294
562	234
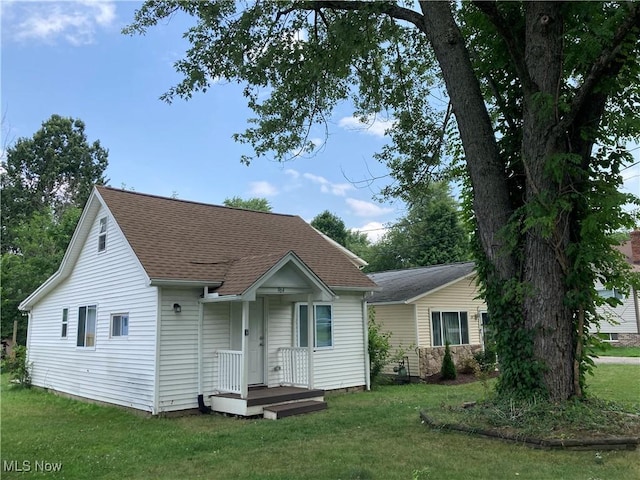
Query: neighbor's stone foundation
430	358
628	340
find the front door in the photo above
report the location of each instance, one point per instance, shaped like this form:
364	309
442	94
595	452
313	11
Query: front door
256	342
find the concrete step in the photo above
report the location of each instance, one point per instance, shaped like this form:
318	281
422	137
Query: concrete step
274	412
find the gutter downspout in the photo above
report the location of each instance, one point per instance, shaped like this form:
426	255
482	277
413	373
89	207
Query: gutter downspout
367	360
201	406
637	307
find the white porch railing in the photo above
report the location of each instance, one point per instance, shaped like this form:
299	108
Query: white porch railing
295	366
229	371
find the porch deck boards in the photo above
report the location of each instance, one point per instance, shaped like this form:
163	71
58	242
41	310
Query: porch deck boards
268	396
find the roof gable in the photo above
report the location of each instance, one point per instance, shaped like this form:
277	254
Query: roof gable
406	286
177	240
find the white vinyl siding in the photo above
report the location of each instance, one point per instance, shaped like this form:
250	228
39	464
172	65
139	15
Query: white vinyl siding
116	372
343	366
621	318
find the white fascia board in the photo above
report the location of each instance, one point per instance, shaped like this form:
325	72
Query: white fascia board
437	289
355	259
290	257
72	253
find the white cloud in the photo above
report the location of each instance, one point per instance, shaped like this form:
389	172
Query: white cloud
366	209
339	189
372	126
292	173
76	22
262	189
373	230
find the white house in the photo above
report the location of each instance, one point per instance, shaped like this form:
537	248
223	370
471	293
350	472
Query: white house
621	324
165	305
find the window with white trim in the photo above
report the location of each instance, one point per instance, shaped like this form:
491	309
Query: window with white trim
611	293
65	322
87	326
452	327
119	324
102	235
323	316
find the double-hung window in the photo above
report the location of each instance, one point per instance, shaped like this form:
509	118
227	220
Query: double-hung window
102	235
87	326
323	332
452	327
120	325
65	322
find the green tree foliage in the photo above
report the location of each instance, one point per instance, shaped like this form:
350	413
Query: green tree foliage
448	369
54	169
332	226
431	233
529	101
46	180
358	243
255	203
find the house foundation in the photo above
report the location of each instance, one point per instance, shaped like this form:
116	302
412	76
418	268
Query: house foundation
430	358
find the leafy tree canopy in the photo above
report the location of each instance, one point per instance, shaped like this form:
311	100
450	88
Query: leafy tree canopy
46	180
53	170
256	203
530	102
431	233
332	226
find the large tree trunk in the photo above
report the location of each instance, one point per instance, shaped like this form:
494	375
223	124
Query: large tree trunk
545	312
542	314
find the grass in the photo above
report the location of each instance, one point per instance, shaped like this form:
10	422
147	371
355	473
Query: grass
370	435
609	350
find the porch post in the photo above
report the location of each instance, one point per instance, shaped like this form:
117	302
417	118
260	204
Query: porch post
244	379
311	327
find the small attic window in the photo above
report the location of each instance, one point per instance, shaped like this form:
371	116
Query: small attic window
102	236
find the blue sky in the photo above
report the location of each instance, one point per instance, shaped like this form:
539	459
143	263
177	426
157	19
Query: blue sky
70	58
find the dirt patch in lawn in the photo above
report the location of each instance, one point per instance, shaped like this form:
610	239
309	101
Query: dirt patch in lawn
460	379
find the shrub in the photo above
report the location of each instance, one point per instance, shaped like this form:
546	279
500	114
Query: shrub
448	371
486	359
18	367
468	365
378	348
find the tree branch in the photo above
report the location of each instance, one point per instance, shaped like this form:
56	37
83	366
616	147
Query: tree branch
387	8
514	47
602	66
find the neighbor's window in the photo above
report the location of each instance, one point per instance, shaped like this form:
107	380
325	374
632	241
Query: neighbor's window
611	293
102	236
65	322
608	337
120	325
323	337
452	327
87	326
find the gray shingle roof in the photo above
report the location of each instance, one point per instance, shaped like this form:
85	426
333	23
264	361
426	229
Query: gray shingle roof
190	241
403	285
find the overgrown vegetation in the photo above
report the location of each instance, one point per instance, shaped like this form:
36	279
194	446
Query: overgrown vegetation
379	347
17	366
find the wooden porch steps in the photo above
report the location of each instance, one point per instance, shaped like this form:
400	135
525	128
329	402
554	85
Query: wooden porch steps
274	412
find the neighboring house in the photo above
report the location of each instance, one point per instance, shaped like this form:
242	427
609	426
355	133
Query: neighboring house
426	306
624	325
166	305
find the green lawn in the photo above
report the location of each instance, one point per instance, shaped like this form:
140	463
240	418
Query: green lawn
611	351
370	435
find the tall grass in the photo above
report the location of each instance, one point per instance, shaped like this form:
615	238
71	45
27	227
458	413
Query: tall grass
370	435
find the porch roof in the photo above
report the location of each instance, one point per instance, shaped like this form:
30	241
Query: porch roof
178	240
